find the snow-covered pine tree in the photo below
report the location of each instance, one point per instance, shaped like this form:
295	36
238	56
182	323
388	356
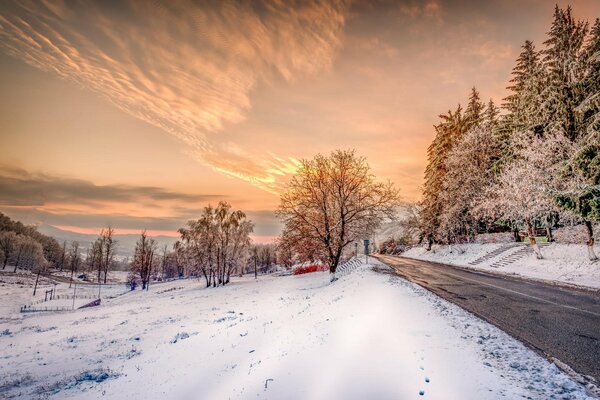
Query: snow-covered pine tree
589	108
564	60
527	83
474	113
449	131
582	197
491	115
456	217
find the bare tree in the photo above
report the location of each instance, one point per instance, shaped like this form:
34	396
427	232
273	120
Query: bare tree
333	201
143	258
74	259
163	263
108	250
63	256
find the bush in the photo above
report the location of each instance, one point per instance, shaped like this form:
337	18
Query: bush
309	268
132	281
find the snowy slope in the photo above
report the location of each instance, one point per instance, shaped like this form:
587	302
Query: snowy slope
562	263
368	335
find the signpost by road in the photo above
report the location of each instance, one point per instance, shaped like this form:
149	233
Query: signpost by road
366	242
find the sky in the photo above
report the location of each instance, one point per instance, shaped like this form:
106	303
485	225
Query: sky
137	114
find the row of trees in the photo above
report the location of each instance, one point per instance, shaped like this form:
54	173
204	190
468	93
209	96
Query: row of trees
22	246
332	202
215	246
531	161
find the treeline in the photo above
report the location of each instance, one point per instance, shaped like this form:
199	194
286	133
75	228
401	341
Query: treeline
22	246
532	160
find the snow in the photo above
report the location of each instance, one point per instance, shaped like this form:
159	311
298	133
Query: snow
368	335
562	263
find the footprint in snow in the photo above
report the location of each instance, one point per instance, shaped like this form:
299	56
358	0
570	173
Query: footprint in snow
421	392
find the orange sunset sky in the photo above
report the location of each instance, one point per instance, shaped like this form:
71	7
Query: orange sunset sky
137	114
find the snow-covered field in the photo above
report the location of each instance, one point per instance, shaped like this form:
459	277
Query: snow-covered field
564	263
368	335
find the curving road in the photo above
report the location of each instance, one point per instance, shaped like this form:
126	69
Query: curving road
559	322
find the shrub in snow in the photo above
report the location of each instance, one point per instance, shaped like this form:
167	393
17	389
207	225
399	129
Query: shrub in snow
309	268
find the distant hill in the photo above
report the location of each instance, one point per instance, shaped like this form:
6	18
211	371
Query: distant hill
125	242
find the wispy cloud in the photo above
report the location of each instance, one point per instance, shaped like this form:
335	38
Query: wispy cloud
22	188
187	67
65	202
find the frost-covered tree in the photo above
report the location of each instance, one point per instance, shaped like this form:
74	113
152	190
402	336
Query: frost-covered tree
217	244
470	168
449	131
28	254
333	201
8	241
525	188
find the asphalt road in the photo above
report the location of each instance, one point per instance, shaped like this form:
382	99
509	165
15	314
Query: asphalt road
558	322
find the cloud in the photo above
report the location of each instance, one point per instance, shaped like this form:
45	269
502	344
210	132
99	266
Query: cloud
24	189
64	202
187	67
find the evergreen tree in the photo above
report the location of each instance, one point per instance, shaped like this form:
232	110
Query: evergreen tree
583	196
524	103
589	108
474	113
564	59
448	132
491	115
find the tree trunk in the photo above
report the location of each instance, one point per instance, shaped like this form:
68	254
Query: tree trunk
532	240
516	235
429	242
332	269
5	261
549	234
205	277
255	269
71	280
590	242
18	260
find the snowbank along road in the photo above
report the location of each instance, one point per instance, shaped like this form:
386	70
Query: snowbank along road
559	322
